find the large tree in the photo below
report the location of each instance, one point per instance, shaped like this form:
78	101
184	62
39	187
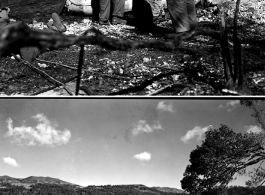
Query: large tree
224	154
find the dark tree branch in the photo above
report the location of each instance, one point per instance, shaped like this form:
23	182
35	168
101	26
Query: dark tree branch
21	36
225	50
238	64
146	83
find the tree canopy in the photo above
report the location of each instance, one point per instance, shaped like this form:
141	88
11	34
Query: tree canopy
225	154
222	155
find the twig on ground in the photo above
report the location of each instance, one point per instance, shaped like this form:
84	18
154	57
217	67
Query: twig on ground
161	67
110	76
43	74
184	91
160	90
56	63
54	86
146	83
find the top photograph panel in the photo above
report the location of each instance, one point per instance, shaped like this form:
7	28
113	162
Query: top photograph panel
132	48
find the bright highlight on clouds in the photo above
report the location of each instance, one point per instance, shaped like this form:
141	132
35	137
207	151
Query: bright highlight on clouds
10	161
145	156
45	133
196	132
253	129
142	127
167	107
231	105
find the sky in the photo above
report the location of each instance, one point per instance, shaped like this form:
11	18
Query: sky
111	141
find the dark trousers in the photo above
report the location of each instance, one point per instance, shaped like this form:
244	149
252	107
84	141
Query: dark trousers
105	9
183	14
142	12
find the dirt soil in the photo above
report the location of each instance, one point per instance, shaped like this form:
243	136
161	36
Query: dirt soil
106	71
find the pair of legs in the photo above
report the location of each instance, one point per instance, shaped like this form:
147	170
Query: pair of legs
106	9
183	14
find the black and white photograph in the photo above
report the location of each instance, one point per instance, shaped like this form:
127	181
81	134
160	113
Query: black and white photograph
132	97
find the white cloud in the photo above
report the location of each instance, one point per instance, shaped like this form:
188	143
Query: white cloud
167	107
145	156
195	132
142	127
45	133
10	161
231	105
253	129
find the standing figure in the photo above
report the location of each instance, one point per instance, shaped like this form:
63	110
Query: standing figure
114	13
183	15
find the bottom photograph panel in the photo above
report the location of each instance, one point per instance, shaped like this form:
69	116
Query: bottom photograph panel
132	146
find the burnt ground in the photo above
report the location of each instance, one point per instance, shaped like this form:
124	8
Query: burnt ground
108	71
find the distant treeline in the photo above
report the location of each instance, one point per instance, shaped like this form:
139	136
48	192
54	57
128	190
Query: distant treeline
53	189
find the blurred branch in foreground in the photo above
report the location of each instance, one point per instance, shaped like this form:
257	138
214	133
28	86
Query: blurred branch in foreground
20	36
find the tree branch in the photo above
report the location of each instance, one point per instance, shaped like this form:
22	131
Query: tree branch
20	35
146	83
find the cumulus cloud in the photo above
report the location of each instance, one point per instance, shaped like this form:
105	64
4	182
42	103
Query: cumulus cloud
10	161
195	132
143	127
167	107
145	156
44	133
253	129
231	105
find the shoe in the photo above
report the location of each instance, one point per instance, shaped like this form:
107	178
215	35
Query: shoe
58	23
116	20
106	22
50	26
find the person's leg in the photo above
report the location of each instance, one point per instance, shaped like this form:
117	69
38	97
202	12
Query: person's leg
57	24
179	15
143	15
104	11
192	14
118	8
118	12
156	7
95	8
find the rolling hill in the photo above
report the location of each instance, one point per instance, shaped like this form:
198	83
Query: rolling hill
171	190
43	185
44	180
32	180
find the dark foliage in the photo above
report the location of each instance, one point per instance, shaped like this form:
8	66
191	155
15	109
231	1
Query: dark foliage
222	155
53	189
